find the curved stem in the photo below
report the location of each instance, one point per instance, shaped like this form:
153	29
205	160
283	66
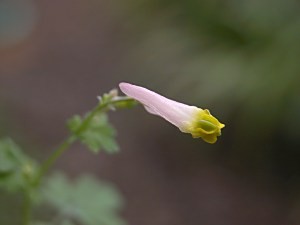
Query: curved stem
64	146
53	158
72	138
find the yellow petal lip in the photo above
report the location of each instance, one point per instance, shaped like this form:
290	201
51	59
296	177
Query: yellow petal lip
211	139
205	126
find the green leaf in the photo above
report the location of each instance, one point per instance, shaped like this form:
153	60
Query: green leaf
99	134
85	200
16	169
74	123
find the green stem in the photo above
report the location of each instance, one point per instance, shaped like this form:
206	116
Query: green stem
72	138
64	146
27	207
53	158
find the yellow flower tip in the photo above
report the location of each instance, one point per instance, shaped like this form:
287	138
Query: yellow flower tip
205	126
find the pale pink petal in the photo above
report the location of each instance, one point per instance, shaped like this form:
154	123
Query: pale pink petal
175	112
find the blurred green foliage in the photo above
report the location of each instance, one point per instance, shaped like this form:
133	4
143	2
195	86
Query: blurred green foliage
240	59
87	200
16	168
84	200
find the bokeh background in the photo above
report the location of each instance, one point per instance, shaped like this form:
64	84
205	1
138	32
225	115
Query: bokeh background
238	58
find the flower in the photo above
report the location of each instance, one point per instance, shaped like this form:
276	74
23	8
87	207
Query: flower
189	119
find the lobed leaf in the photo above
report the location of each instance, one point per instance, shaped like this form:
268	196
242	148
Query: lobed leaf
85	200
99	134
16	168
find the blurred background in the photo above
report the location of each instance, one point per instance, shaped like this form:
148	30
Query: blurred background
240	59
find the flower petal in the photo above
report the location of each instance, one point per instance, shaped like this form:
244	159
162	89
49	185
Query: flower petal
174	112
189	119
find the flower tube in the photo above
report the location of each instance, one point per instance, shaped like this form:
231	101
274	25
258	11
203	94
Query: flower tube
189	119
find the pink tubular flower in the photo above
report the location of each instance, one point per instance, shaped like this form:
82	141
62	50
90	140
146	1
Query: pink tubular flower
189	119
